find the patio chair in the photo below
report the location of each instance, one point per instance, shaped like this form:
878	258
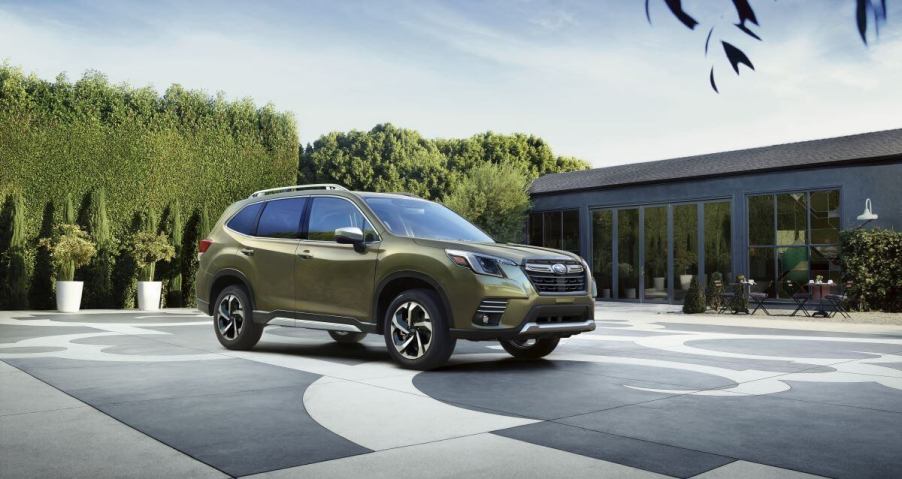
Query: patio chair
839	300
759	296
725	296
800	295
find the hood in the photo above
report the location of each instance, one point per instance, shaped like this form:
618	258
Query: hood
516	252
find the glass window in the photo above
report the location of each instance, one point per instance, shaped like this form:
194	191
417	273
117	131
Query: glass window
628	253
655	253
761	268
685	248
792	267
825	262
245	221
602	224
281	218
535	229
792	218
570	235
416	218
329	213
718	233
761	220
552	220
825	217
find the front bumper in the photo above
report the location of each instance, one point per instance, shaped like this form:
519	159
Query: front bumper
542	320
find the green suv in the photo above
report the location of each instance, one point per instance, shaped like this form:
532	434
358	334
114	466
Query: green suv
355	263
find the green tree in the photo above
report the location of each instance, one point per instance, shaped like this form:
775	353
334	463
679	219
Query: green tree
14	294
494	198
175	228
695	299
98	274
40	295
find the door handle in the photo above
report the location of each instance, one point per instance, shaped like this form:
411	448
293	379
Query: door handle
305	255
247	251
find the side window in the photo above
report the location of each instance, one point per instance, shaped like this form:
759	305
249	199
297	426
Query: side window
328	214
282	218
245	221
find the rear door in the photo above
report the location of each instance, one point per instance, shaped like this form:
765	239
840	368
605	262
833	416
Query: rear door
335	280
272	252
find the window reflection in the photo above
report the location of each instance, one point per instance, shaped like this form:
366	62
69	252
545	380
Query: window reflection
825	217
718	233
655	253
552	229
792	222
570	233
628	253
601	251
685	248
761	219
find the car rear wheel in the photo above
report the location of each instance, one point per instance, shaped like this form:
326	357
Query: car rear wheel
530	348
416	332
347	337
233	319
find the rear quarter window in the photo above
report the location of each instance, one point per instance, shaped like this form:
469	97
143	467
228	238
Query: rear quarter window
245	221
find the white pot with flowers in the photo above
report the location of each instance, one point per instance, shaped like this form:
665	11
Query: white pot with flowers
69	248
147	249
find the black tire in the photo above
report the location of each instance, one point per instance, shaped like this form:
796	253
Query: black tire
437	345
248	332
346	337
527	349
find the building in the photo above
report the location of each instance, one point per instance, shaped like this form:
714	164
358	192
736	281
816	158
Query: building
773	214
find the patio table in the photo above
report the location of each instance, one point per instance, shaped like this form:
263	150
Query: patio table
819	292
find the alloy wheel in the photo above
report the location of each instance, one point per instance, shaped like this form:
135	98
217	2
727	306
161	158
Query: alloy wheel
230	317
411	330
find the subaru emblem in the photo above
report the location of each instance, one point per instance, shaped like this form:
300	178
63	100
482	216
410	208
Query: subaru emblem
558	268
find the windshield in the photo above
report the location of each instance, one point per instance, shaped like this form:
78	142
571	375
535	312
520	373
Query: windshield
417	218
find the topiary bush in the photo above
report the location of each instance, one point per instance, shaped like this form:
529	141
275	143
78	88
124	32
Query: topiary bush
70	248
98	274
40	295
15	259
872	261
694	302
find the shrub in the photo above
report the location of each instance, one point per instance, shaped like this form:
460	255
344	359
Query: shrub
872	261
70	248
147	249
494	198
715	301
98	274
40	295
175	229
695	299
15	257
197	228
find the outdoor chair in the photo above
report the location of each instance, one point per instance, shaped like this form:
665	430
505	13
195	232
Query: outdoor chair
725	296
839	300
800	295
759	297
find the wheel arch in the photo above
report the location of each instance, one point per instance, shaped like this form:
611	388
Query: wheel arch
228	277
400	281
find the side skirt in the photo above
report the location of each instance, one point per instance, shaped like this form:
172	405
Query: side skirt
297	319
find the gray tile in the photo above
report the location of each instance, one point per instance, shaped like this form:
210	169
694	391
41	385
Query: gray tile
84	443
536	389
827	440
862	394
796	348
649	456
750	470
18	332
239	433
22	394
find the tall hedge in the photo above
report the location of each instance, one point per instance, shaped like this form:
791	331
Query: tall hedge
145	150
872	261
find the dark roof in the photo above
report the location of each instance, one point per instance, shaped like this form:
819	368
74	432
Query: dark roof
852	148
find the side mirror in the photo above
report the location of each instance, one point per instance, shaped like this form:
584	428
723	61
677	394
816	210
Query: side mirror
349	235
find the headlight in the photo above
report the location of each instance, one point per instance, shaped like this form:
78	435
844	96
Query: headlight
479	263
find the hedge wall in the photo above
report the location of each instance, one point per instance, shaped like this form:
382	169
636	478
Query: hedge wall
872	261
143	149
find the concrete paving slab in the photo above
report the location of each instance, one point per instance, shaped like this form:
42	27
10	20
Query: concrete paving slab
751	470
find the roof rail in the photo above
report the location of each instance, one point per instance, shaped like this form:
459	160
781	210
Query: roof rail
282	189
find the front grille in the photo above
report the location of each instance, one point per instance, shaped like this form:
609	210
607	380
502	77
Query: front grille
546	277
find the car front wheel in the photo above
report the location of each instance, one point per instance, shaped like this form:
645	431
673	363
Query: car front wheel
530	348
416	332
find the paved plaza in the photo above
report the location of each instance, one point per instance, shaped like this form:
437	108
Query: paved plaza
650	393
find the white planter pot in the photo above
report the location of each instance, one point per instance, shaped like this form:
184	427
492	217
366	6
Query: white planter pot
149	295
68	296
630	293
659	283
685	280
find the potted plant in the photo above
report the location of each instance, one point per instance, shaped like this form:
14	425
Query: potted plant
69	248
147	249
683	263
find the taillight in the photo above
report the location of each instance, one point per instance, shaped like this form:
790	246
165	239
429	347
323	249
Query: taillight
204	245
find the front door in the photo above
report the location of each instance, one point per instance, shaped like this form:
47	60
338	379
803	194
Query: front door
334	281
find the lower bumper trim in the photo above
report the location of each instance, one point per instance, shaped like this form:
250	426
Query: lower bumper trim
539	328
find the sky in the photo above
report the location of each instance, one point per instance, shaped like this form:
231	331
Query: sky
594	78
